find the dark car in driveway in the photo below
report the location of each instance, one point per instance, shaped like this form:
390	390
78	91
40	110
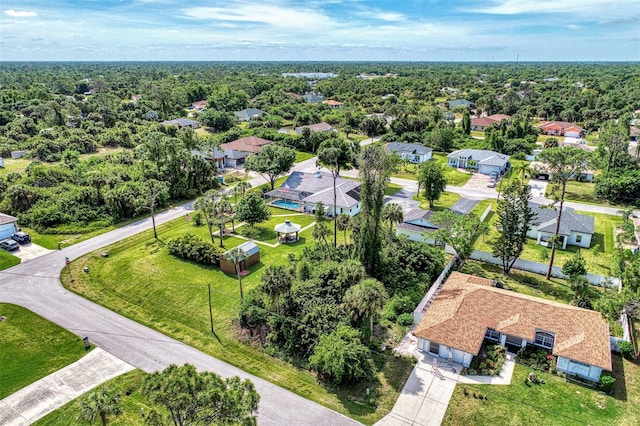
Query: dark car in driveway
9	245
21	237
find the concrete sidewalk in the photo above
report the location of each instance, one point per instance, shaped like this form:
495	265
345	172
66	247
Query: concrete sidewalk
53	391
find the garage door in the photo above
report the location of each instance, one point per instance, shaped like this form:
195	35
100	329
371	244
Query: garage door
6	231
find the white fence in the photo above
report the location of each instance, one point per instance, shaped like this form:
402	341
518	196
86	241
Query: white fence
485	214
541	268
418	313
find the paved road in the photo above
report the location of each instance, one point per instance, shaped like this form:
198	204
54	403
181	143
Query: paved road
36	286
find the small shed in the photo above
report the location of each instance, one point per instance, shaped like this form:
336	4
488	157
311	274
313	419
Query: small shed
8	226
252	257
287	229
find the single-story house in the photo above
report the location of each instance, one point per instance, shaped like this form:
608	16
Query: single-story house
416	226
303	191
469	309
8	226
634	132
199	105
460	103
542	172
482	123
318	127
211	154
332	103
413	152
575	229
181	122
252	257
248	114
312	98
484	161
560	128
237	151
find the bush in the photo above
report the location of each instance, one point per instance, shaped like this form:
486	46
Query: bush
194	248
626	349
405	319
606	383
198	219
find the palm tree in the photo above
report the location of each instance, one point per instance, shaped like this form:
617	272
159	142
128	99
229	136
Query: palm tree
276	281
206	205
101	403
235	256
242	186
392	213
222	210
342	222
363	300
320	232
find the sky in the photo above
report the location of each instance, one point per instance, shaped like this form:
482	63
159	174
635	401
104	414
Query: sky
314	30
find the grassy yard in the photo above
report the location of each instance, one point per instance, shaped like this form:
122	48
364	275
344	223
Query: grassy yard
142	281
302	156
453	176
447	199
7	260
266	232
17	165
392	188
131	401
32	348
581	192
557	402
556	289
597	262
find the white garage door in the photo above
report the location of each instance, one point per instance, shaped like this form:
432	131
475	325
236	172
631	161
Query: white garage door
6	231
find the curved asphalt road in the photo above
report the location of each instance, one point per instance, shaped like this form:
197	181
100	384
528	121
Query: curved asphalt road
36	286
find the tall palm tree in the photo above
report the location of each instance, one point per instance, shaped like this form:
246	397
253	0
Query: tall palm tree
321	232
276	281
342	222
222	210
364	299
235	256
102	403
392	213
206	205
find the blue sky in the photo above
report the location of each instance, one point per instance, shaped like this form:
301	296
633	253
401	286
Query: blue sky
408	30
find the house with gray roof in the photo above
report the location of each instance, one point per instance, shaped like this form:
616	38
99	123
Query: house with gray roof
413	152
181	122
8	226
460	103
317	127
248	114
417	227
306	190
575	229
312	98
484	161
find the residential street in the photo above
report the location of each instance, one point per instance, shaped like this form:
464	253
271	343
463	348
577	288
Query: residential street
36	286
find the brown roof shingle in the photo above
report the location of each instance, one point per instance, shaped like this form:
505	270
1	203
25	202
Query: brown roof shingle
467	305
248	144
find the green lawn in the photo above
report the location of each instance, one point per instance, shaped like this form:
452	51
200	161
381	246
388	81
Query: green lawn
597	263
581	192
557	402
453	176
302	156
556	289
266	231
392	188
7	260
17	165
32	348
447	199
131	402
142	281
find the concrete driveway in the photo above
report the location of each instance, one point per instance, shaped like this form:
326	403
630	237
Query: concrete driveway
30	251
538	187
464	205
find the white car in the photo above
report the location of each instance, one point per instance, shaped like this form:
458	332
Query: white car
492	183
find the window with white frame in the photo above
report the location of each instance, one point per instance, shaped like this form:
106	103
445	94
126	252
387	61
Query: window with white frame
492	334
434	348
544	339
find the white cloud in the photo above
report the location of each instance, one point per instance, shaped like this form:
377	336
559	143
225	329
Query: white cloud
20	13
382	15
515	7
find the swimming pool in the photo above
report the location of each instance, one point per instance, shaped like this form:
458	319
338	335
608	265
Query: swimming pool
286	204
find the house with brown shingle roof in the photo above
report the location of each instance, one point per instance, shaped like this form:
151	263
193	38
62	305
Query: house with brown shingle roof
332	103
482	123
236	152
469	309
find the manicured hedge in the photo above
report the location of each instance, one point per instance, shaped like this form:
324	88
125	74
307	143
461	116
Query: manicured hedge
194	248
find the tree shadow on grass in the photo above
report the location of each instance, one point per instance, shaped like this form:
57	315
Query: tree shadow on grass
620	387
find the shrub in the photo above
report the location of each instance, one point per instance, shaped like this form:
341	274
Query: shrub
405	319
194	248
626	349
606	383
198	219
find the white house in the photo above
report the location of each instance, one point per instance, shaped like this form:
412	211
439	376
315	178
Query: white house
482	160
468	309
248	114
575	229
8	226
541	171
181	122
236	152
416	226
303	191
413	152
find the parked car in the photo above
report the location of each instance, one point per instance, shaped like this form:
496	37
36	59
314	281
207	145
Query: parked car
9	245
21	237
492	183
